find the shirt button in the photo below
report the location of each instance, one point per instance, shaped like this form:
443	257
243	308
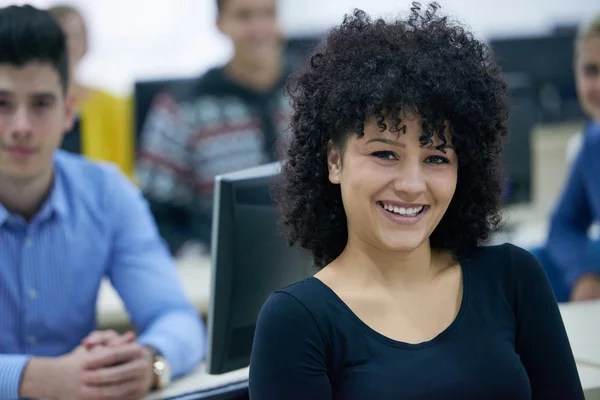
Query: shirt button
31	340
32	294
28	242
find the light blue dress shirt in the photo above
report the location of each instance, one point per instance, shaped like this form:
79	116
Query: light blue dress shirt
95	223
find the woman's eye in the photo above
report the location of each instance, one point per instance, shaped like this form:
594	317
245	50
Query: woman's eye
385	155
437	160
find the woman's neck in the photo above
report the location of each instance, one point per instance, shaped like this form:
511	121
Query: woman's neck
367	265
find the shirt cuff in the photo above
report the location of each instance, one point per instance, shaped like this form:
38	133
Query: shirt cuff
11	372
573	275
182	357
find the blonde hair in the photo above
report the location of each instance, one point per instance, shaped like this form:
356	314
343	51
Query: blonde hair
589	29
60	11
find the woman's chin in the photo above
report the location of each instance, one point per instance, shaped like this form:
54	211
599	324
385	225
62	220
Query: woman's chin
403	243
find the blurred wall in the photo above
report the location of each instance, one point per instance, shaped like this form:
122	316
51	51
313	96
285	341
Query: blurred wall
137	39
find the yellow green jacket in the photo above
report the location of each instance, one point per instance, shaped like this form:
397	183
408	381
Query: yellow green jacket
107	129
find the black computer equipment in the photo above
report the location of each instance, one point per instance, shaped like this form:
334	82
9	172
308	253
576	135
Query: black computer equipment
540	73
251	259
299	48
72	139
549	62
517	151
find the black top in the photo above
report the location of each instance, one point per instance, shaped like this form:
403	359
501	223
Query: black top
507	342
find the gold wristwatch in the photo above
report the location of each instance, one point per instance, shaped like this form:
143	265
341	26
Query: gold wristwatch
161	371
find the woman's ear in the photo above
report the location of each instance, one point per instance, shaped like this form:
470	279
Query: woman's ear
334	163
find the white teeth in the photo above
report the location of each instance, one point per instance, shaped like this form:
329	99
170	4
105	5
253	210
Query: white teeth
406	212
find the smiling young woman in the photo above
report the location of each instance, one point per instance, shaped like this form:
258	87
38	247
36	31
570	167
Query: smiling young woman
393	183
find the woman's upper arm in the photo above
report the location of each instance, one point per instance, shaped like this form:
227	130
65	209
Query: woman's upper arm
541	339
289	355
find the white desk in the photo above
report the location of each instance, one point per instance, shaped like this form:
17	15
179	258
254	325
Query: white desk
582	321
590	380
200	380
195	277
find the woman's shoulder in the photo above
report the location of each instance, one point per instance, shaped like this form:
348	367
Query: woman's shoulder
306	299
497	275
504	261
496	250
302	304
307	295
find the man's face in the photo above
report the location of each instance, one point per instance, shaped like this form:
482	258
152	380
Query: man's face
252	26
587	72
34	114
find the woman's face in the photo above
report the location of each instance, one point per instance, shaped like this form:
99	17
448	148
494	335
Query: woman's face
394	191
587	71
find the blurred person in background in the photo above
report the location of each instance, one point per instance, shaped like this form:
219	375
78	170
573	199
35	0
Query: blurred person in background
570	257
231	121
103	121
65	224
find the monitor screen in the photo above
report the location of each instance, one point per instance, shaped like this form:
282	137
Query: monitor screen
251	259
517	149
548	60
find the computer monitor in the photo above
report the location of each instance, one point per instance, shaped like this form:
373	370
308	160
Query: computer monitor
299	48
251	259
516	153
548	60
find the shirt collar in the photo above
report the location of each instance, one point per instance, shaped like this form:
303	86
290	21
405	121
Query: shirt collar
55	203
593	126
3	215
57	199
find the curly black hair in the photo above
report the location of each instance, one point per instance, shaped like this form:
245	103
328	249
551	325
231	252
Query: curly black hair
364	69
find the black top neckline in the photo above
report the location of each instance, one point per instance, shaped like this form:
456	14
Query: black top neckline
397	343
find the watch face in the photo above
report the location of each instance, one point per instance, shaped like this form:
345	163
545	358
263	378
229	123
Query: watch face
167	373
163	372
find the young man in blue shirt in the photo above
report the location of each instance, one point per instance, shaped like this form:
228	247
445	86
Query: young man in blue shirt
65	224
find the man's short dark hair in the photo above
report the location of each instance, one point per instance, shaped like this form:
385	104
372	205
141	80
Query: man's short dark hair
28	34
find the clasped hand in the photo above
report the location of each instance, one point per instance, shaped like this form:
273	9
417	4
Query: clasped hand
106	366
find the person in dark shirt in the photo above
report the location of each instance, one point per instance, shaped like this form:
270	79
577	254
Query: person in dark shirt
393	183
230	120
